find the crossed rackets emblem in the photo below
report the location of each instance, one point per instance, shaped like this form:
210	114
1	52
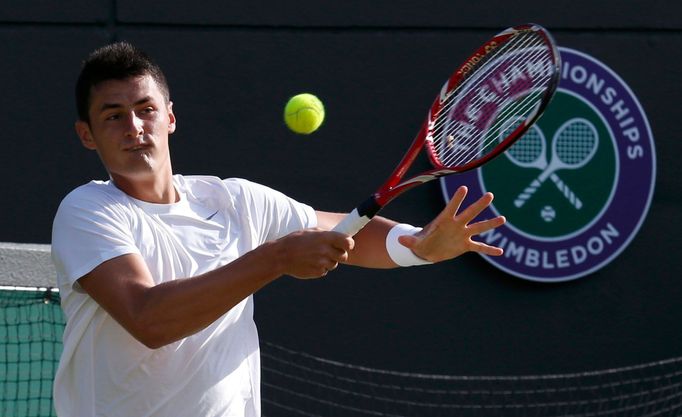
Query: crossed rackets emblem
573	146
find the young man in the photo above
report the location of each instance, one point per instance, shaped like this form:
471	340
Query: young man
156	270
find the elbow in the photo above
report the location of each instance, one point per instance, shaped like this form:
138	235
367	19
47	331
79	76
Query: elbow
150	334
151	342
153	345
148	326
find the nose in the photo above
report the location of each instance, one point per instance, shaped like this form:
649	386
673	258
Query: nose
134	128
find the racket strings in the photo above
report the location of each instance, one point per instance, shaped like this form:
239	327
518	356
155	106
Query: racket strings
471	146
524	42
517	44
474	146
519	41
453	143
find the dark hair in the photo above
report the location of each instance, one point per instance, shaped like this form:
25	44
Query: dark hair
117	61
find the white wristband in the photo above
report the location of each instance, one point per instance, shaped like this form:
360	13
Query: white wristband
399	253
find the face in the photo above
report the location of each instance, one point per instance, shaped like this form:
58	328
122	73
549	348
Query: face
130	122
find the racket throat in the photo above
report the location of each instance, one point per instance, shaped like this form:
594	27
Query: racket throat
369	207
359	217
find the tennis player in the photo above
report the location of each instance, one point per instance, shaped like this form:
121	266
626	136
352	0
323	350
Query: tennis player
157	270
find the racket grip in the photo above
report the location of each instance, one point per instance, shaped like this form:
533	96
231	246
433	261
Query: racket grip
352	223
358	218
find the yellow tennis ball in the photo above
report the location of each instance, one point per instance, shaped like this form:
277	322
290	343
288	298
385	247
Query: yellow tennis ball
304	113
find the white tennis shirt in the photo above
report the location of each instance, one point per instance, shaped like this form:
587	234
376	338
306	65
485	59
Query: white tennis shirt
103	370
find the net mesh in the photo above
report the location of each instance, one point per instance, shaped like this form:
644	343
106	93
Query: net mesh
299	384
296	383
31	326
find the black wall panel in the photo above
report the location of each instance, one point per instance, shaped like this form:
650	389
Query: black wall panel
40	163
46	12
611	14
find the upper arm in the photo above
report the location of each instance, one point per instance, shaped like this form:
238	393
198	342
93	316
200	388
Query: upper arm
119	286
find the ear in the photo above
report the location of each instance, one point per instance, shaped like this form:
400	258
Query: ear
171	118
85	135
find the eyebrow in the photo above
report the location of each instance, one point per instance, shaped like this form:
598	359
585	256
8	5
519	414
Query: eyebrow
107	106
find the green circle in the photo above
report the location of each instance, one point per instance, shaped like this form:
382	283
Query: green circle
548	212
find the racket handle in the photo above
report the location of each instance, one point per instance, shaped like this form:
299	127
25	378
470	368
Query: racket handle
352	223
358	218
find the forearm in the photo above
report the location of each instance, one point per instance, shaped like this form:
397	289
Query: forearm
160	314
370	242
176	309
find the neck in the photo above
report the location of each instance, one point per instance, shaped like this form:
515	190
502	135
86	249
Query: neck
155	189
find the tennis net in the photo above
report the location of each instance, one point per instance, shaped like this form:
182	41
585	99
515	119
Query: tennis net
296	383
31	326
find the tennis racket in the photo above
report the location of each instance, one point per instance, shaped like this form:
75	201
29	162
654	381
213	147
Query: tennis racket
510	79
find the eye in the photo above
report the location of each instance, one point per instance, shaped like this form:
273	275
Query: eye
114	116
147	110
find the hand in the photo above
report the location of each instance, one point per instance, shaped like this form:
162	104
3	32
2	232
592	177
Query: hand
312	253
449	234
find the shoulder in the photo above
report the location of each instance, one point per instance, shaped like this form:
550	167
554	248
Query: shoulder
95	205
93	195
243	186
206	187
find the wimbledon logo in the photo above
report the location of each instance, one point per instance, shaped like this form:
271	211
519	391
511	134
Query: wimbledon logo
577	186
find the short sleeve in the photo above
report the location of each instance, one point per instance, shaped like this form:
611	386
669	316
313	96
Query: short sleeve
273	213
90	227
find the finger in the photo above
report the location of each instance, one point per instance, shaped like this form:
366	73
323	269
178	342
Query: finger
455	202
487	249
485	225
409	241
337	254
342	241
476	208
328	266
331	257
325	267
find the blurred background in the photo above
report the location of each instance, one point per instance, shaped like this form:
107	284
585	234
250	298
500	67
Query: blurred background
377	66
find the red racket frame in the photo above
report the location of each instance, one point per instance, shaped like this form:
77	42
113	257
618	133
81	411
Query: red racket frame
393	186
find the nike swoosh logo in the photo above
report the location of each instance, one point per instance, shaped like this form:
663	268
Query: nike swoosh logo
212	215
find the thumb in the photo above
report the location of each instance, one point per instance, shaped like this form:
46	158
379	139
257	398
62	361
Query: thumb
409	241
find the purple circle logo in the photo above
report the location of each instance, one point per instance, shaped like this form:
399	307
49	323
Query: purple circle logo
577	186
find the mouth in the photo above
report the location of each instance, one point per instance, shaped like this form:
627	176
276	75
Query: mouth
138	148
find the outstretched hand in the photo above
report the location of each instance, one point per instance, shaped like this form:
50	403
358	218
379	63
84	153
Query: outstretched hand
450	233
